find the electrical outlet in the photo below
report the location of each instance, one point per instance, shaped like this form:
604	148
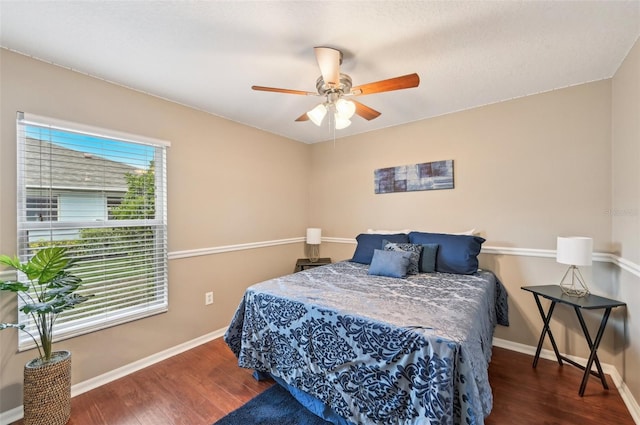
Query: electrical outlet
208	298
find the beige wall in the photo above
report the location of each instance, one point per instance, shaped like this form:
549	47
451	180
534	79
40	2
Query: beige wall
227	185
526	171
625	208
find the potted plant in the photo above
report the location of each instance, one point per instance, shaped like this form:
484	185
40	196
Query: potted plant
46	290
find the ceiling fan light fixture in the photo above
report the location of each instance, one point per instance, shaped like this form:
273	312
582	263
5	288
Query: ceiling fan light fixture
341	122
345	108
316	115
333	85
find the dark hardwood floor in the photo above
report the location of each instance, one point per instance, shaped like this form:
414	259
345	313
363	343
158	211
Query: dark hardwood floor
548	394
203	384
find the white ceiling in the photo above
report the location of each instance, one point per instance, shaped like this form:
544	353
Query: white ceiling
208	54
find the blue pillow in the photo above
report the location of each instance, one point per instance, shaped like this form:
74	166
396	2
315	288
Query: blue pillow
368	242
389	263
456	253
428	257
415	250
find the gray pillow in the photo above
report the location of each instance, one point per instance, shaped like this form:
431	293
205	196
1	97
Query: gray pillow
428	258
414	249
389	263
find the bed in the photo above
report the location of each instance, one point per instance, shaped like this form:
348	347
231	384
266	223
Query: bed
363	348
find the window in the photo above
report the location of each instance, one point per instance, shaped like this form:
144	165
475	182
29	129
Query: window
41	207
113	202
102	194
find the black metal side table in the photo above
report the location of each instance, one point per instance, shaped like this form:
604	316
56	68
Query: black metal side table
590	302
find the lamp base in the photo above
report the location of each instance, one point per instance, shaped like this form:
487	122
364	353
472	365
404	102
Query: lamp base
575	286
313	252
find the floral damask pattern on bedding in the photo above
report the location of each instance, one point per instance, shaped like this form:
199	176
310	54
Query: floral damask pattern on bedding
376	349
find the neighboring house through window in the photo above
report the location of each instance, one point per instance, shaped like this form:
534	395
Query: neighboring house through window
102	194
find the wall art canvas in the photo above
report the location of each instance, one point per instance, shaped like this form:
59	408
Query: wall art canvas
407	178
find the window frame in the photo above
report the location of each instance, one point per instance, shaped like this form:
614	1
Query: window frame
157	245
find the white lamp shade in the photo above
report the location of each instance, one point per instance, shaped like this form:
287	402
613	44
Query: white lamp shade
317	114
574	250
314	236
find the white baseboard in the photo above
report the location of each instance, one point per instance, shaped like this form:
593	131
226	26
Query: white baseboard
11	416
627	397
90	384
17	413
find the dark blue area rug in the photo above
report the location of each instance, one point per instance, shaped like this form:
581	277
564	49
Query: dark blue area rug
274	406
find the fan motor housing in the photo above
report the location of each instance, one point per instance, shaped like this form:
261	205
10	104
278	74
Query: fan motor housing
325	89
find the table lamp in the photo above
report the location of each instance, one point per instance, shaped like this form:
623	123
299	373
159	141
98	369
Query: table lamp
314	237
574	251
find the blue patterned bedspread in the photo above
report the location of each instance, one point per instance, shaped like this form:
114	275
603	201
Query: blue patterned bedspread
377	350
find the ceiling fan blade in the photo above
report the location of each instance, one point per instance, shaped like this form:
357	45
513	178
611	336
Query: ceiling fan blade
329	61
397	83
364	111
303	117
288	91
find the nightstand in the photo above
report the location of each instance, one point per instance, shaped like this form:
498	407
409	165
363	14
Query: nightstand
305	263
590	302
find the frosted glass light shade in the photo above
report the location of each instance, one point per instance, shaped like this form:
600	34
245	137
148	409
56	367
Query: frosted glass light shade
317	114
314	236
345	108
341	122
574	250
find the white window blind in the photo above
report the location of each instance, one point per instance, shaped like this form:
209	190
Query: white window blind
103	195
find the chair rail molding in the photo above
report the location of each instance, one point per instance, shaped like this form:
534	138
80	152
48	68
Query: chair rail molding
603	257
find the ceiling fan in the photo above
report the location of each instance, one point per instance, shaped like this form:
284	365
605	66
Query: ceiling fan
337	89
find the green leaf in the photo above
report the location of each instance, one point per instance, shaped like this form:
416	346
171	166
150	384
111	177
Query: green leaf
39	308
12	262
65	280
68	302
47	264
11	325
13	286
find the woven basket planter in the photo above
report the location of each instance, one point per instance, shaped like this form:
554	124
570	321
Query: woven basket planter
47	390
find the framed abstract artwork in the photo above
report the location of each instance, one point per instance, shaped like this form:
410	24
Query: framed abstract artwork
408	178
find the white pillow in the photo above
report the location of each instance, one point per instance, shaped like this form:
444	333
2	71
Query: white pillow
470	232
387	232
